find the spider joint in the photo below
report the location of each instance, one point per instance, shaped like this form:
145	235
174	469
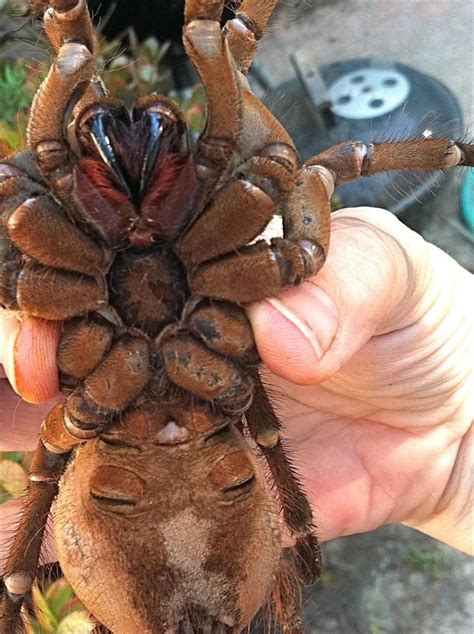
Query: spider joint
454	155
205	36
268	438
73	57
326	177
68	9
245	21
18	583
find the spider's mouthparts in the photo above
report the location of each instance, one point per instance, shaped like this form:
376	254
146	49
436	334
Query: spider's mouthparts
105	149
132	144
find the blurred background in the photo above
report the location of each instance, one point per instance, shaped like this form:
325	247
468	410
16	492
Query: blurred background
330	70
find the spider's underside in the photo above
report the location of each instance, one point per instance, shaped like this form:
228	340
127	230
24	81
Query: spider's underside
144	248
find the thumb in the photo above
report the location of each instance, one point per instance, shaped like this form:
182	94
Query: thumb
367	287
28	355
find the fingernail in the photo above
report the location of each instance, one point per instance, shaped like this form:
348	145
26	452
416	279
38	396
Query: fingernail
312	312
294	331
10	327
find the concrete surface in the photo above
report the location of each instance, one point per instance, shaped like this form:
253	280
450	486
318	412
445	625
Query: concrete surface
436	37
394	580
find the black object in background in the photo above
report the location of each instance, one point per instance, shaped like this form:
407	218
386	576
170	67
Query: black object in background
162	19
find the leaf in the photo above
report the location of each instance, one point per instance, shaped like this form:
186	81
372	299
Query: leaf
119	63
151	48
11	139
147	73
44	615
14	94
12	477
58	595
15	456
75	623
74	605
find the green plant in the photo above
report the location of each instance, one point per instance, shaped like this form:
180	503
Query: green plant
134	73
58	611
127	76
18	84
15	94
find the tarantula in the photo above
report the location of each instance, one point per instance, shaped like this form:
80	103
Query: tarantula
147	250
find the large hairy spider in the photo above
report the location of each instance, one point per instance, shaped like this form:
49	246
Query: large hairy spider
146	250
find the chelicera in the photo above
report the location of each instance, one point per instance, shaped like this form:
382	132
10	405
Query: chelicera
148	250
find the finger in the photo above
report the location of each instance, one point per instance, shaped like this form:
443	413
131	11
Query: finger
28	354
365	288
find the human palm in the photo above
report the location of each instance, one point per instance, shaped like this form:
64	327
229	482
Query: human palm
363	470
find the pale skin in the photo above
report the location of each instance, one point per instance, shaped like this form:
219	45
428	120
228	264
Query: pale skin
370	366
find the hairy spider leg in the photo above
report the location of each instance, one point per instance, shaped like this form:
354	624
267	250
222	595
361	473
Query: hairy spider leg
34	224
245	30
209	353
210	56
70	21
69	28
252	272
305	555
67	21
49	462
353	159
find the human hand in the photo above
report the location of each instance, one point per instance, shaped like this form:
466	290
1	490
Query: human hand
373	379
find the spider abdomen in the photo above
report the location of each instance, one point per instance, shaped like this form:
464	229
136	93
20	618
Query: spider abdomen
185	513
